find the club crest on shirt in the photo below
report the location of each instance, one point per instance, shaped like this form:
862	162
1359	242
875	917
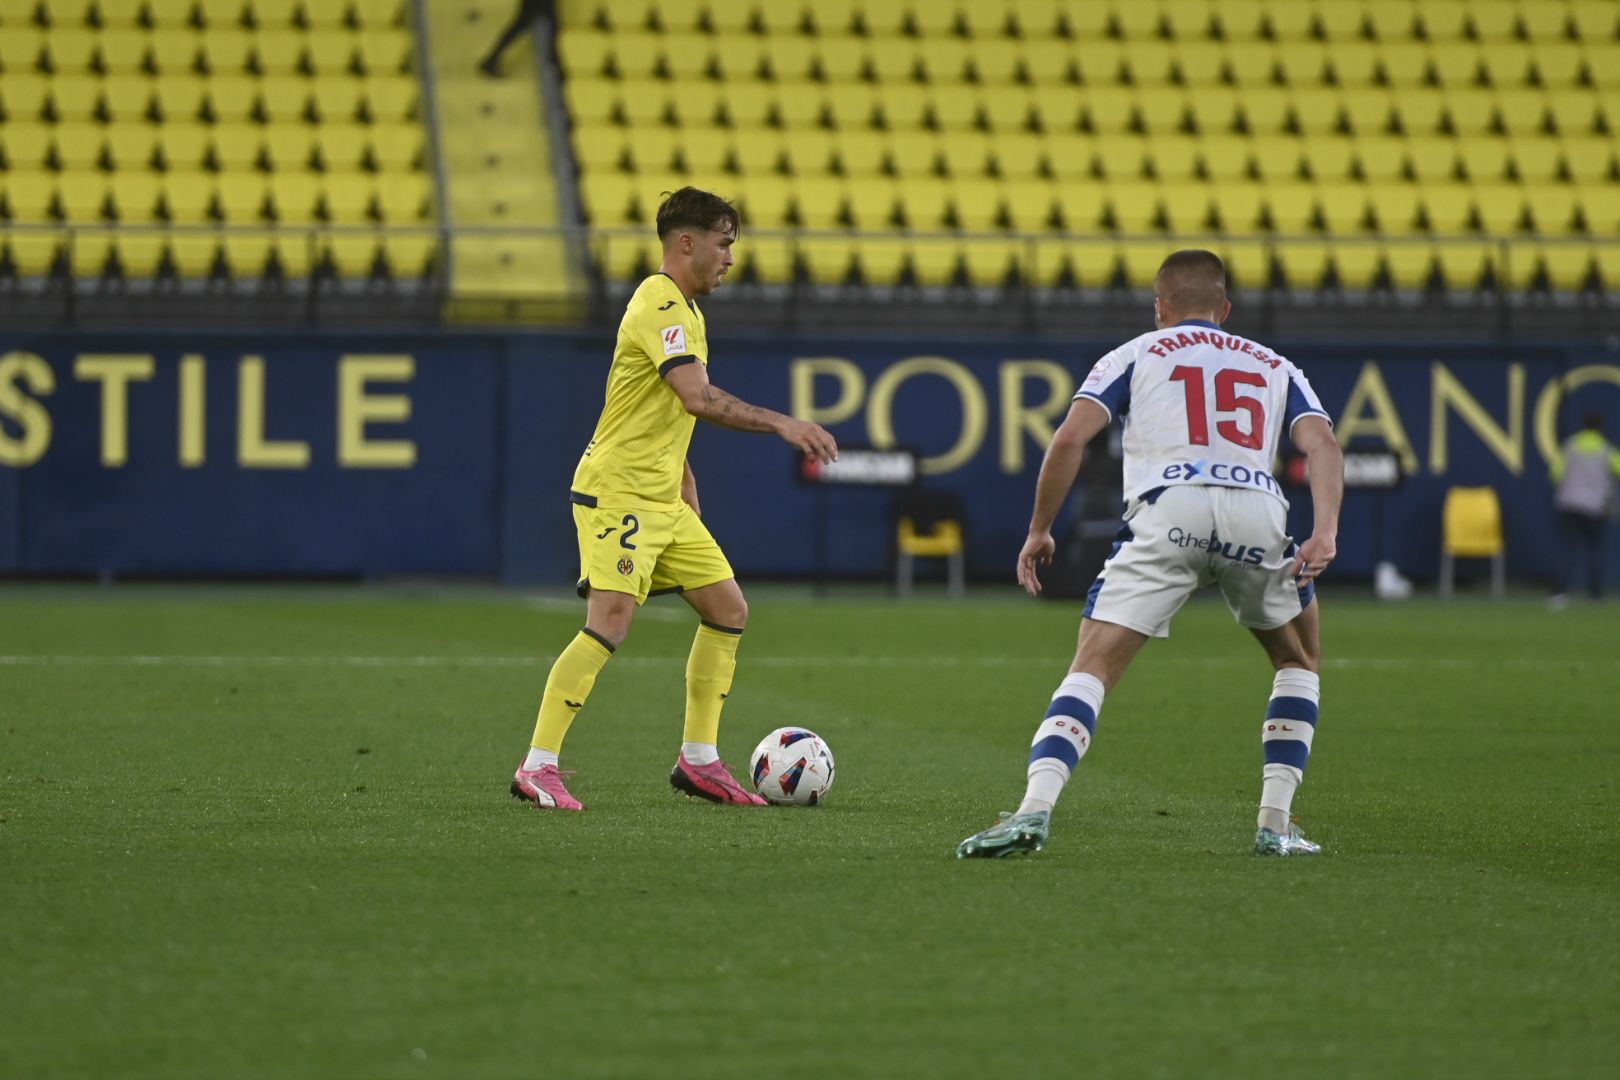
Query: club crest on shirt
627	566
674	340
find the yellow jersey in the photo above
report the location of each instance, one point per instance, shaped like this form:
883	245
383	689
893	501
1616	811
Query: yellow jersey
637	456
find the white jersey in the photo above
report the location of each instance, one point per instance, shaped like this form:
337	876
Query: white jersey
1200	406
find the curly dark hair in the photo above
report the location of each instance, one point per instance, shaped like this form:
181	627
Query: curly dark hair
690	208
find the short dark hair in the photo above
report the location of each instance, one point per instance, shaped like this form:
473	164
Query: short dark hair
1593	421
1192	280
690	208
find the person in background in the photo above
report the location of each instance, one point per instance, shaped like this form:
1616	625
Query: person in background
527	13
1585	499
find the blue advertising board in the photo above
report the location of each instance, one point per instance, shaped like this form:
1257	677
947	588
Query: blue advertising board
451	453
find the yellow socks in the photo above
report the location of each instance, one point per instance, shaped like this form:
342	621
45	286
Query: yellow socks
709	669
569	684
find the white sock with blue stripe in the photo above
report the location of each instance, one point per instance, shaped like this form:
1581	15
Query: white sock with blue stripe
1061	741
1285	739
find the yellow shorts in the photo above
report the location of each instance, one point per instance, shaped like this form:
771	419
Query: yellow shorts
646	552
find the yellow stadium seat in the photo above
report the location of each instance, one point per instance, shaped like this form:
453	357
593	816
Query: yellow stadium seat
1149	68
1329	158
1607	258
1573	112
935	259
1405	63
818	203
136	196
278	52
1343	207
811	152
1464	263
636	55
23	95
1290	206
1587	158
1552	209
1202	63
295	197
990	19
275	14
26	144
1544	22
29	194
290	146
79	146
1594	20
897	61
1493	19
170	12
1248	263
955	108
140	252
1238	207
1172	158
243	198
1421	111
1500	207
994	62
1291	22
923	202
914	153
1558	64
1302	65
852	106
607	198
1070	156
1484	158
1369	110
976	204
903	105
227	50
1448	206
338	98
231	99
183	145
1394	207
1471	518
1186	206
34	253
194	254
1017	156
127	98
380	52
1108	110
82	196
966	154
1457	65
1535	159
598	146
1431	160
873	202
790	59
379	12
404	198
590	101
75	97
1080	206
397	147
123	52
1264	113
284	98
1357	263
1470	113
409	255
222	13
236	147
1355	64
1568	267
827	257
89	251
1277	158
296	251
1316	110
72	50
1030	204
841	60
1052	61
1600	208
1141	260
20	48
1227	157
1304	264
175	50
353	253
1008	109
1505	66
189	196
1411	265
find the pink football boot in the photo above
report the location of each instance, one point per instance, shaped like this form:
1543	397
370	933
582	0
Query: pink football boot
711	782
544	788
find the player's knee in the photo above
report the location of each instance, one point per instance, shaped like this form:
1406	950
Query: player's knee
737	613
1307	660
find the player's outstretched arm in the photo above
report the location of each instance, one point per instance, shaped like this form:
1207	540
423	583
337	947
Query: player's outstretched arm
1058	470
1324	462
708	402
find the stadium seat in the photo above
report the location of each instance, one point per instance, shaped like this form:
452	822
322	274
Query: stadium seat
136	196
79	147
1463	264
188	196
243	198
1471	527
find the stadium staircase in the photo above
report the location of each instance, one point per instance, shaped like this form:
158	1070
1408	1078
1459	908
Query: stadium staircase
510	261
1452	145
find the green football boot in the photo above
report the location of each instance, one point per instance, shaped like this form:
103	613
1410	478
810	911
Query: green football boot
1291	842
1016	834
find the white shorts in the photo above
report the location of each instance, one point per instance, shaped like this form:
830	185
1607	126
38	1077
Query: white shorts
1189	536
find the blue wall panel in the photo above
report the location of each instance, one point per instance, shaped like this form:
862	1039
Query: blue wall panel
496	423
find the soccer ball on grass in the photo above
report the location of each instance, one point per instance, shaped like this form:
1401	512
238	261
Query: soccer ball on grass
792	767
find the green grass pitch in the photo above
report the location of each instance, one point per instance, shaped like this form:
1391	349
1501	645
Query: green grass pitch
266	833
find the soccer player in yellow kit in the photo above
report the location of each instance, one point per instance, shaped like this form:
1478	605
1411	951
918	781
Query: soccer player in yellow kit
636	506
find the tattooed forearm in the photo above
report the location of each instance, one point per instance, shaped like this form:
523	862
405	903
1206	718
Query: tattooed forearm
729	411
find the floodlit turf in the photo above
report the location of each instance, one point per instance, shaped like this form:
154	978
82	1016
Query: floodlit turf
266	833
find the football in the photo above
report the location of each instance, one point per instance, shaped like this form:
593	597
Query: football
792	767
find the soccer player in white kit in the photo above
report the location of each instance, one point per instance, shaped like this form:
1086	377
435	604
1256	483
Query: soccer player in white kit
1203	411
